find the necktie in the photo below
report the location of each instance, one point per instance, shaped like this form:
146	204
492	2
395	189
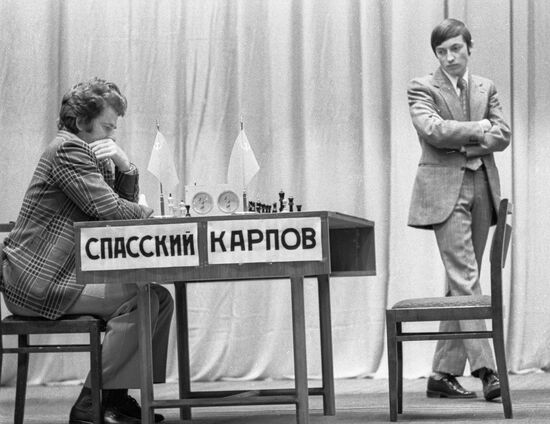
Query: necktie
461	84
473	163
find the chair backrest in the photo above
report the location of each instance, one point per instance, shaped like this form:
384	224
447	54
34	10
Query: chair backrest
499	250
4	229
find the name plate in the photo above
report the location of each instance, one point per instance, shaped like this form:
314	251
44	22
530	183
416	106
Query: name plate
139	247
269	240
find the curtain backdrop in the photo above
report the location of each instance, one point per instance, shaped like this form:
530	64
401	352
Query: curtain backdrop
321	86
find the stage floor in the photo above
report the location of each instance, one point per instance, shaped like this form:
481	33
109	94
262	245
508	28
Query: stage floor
357	401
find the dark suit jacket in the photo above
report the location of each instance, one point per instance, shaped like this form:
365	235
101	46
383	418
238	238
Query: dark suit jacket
438	118
69	184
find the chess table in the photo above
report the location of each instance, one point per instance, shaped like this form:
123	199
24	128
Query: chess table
248	246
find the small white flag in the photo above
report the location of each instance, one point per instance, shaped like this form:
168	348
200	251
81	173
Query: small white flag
242	163
161	164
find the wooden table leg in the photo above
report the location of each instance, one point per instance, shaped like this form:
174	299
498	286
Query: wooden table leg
182	326
300	357
327	367
145	352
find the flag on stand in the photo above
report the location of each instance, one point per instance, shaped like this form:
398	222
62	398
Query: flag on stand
161	164
242	163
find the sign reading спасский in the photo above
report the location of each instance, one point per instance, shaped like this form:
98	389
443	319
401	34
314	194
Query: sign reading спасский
139	246
176	244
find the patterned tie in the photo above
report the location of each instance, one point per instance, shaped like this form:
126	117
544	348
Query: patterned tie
473	163
463	86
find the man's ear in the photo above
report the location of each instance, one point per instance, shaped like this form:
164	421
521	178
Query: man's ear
470	48
82	125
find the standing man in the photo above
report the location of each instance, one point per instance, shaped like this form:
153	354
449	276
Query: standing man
84	175
456	192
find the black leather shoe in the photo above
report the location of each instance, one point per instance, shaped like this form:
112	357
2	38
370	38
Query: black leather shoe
130	407
81	413
447	387
491	385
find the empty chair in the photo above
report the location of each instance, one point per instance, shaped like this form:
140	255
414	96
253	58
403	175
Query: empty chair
454	308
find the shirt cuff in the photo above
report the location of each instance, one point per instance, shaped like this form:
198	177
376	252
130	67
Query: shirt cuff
132	171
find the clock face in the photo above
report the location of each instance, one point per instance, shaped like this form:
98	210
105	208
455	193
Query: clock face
228	201
202	203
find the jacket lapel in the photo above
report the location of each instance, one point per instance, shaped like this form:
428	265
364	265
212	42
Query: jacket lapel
449	94
478	99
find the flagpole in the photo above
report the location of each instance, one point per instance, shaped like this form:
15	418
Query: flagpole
161	194
245	202
242	154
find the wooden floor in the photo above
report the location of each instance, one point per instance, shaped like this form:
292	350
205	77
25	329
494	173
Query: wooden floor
357	401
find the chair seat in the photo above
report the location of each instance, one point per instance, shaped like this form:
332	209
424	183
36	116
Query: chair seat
16	324
444	302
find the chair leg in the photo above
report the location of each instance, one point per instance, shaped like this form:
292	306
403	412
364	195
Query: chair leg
184	367
1	353
500	357
21	385
393	365
96	371
399	371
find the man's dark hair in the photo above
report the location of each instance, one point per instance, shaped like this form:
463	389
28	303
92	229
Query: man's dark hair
450	28
85	102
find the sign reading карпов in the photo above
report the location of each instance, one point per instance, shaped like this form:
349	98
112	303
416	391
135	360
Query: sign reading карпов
176	244
269	240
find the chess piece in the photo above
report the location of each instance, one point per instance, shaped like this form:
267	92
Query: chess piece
281	200
274	208
170	205
299	208
187	207
182	208
291	204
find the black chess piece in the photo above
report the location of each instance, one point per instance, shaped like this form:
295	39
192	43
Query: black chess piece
291	204
187	207
299	208
281	200
274	209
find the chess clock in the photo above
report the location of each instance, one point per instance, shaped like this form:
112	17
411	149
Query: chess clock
228	201
202	203
210	200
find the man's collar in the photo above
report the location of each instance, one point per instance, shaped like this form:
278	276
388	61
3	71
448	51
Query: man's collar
454	79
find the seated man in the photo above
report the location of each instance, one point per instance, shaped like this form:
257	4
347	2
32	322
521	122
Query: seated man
84	175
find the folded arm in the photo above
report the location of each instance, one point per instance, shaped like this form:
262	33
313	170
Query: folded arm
475	138
497	138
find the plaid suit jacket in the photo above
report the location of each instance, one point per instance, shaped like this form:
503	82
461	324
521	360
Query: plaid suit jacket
69	184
